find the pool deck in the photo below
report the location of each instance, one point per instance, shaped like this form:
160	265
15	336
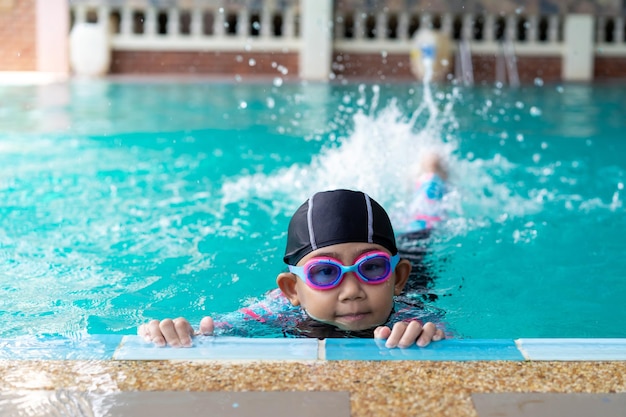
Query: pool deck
436	381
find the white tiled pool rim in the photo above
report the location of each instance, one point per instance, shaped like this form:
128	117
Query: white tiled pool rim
131	347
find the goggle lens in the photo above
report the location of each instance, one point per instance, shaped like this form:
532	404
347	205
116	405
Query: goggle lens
323	274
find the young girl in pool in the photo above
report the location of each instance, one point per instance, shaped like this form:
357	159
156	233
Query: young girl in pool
344	279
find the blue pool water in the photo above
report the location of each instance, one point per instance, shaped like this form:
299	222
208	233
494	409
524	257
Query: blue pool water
121	202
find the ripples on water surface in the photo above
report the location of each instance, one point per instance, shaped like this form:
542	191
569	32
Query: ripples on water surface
121	202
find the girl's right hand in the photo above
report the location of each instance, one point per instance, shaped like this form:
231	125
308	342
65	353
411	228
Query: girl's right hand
175	333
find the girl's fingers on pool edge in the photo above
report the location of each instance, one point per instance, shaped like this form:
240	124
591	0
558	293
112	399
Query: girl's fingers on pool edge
428	332
184	331
397	331
152	333
382	332
411	333
439	335
206	326
168	332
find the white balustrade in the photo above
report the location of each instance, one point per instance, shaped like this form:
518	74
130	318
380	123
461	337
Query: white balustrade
205	27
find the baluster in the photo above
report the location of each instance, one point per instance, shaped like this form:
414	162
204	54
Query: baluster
219	19
289	21
446	25
600	26
269	6
80	14
489	30
619	30
340	27
553	29
381	25
150	23
126	23
467	28
532	35
510	31
173	22
195	26
103	13
243	22
403	26
359	27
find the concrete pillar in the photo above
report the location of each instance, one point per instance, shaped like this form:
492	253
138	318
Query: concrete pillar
317	46
53	27
578	53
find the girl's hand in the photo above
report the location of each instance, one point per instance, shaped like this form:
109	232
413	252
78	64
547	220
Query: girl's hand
175	333
405	334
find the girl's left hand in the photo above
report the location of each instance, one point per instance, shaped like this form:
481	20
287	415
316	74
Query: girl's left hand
405	334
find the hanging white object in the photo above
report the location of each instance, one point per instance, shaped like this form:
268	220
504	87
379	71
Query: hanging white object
90	49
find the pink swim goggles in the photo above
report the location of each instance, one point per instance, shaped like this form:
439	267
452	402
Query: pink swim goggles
325	273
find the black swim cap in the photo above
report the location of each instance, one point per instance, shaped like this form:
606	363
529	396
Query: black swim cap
338	216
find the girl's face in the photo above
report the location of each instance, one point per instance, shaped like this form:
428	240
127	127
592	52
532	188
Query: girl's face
353	304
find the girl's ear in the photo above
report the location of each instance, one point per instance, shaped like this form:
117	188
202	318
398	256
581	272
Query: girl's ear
286	281
403	269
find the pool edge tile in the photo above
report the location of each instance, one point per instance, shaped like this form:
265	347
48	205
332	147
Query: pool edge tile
574	349
222	348
132	347
85	347
445	350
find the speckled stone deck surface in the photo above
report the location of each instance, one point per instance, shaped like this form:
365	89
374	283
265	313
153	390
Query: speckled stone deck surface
377	388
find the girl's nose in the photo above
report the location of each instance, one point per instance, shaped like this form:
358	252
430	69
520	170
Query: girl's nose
351	287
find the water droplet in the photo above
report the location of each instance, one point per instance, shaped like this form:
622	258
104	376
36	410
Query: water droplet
243	105
278	82
538	82
535	111
252	62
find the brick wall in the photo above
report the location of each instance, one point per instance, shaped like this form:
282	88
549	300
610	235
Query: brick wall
529	68
609	68
205	63
398	67
18	49
372	66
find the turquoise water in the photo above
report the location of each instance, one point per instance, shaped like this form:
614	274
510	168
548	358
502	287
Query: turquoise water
121	202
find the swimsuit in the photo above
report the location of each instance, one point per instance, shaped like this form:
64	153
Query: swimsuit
274	313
